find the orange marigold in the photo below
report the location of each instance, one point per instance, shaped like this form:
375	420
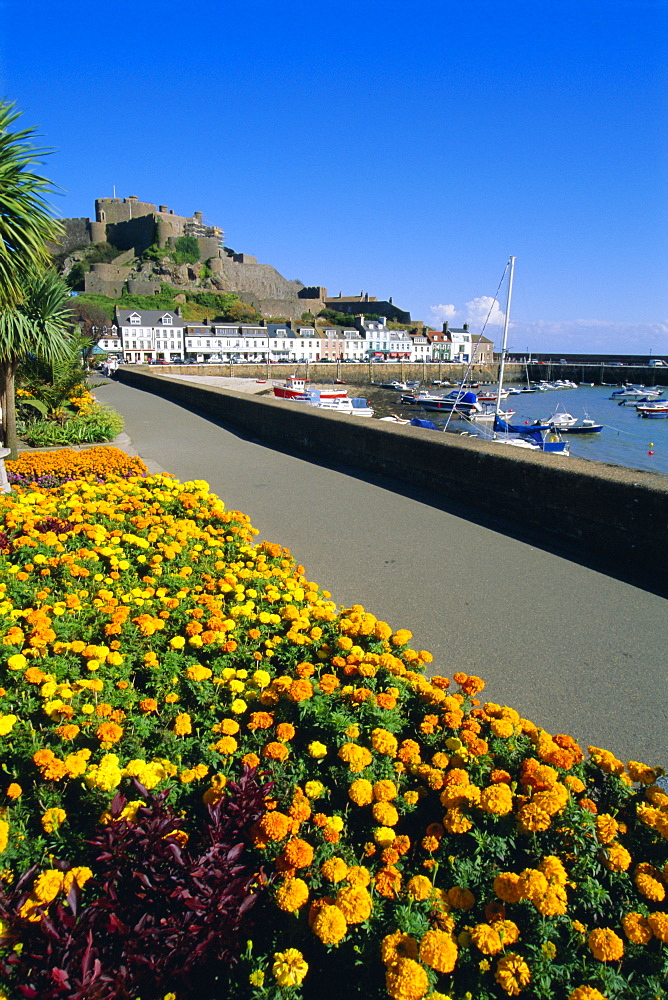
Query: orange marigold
292	895
512	974
355	903
438	951
329	924
636	928
605	945
406	980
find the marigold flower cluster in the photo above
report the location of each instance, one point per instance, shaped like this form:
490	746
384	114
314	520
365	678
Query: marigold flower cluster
443	843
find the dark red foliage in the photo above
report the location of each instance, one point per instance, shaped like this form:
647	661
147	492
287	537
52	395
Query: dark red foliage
166	917
55	525
6	543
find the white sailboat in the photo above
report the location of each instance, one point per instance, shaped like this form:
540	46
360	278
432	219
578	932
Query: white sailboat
536	437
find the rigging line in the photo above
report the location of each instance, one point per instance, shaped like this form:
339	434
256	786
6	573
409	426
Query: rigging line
477	345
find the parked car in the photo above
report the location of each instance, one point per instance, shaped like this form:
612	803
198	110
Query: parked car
657	363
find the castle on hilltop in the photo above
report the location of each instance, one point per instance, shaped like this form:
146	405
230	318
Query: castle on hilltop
132	226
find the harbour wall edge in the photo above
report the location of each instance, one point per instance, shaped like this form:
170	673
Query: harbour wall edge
604	510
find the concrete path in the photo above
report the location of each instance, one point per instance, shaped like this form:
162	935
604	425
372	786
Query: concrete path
572	649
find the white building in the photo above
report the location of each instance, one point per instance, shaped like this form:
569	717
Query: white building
383	343
150	334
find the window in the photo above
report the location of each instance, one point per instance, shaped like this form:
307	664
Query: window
134	319
167	319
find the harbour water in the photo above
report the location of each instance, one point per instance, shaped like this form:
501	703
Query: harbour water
626	439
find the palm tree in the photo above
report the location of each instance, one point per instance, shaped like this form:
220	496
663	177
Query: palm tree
39	325
26	221
31	299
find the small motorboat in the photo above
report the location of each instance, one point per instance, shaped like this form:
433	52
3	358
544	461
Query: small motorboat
656	406
353	406
636	393
569	424
297	388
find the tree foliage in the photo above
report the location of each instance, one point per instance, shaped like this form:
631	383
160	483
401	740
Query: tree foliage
40	325
26	221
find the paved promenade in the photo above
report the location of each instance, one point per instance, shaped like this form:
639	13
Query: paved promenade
572	649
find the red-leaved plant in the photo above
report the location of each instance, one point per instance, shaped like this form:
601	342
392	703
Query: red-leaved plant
163	917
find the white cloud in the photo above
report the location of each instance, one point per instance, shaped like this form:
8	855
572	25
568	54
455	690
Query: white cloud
586	336
439	314
477	311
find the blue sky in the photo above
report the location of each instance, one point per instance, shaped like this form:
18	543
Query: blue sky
402	149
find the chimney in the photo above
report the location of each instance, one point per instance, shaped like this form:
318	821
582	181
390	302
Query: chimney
445	327
465	327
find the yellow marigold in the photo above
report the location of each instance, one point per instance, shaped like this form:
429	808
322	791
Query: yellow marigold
487	939
605	945
317	750
314	789
196	672
334	869
359	875
398	945
4	835
419	887
606	828
226	745
361	792
460	899
406	980
553	902
659	923
507	887
438	951
553	800
586	993
641	772
329	924
636	928
532	818
385	813
385	791
289	967
79	875
533	883
384	742
53	819
617	858
183	724
356	757
14	791
456	821
553	869
292	895
47	885
7	723
606	760
512	974
497	799
355	903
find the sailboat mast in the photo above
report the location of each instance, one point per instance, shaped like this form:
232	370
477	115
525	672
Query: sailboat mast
504	346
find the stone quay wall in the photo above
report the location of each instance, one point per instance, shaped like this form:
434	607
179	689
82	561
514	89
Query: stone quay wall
610	512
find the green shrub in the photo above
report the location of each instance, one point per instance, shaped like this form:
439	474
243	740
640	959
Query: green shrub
98	424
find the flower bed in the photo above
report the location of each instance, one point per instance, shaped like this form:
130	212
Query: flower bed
48	469
217	784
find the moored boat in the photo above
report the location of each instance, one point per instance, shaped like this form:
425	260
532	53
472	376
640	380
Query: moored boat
294	388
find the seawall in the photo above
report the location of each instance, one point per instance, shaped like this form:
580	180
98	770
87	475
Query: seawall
606	511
